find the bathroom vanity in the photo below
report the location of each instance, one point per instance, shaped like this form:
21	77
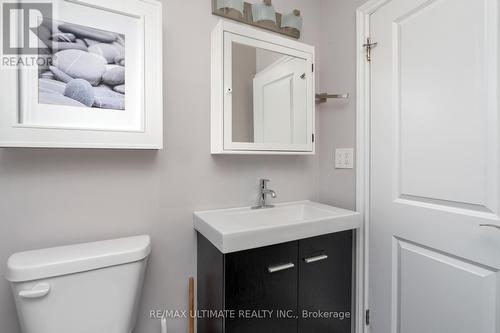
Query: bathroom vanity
284	269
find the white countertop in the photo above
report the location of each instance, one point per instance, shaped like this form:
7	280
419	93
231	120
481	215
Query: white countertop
238	229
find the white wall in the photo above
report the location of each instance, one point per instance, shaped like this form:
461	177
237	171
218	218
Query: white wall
337	117
56	197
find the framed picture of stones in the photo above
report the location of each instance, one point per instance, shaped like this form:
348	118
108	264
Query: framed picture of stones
87	67
97	82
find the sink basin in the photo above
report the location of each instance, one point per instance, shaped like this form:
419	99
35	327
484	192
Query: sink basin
237	229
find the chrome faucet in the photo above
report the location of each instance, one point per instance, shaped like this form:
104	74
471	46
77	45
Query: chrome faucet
263	193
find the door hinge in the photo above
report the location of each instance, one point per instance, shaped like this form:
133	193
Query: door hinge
367	317
368	47
312	68
313	138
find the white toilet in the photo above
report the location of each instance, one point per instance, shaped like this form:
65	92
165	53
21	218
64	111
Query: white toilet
84	288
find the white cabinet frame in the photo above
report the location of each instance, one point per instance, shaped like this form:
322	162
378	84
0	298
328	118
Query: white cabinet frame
221	112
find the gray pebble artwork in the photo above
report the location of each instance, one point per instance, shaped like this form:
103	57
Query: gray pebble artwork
88	67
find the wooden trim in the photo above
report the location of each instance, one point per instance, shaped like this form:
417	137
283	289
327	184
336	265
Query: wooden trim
191	305
217	91
363	14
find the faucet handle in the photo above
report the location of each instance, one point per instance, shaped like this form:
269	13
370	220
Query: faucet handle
263	182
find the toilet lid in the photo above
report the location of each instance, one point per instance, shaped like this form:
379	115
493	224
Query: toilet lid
56	261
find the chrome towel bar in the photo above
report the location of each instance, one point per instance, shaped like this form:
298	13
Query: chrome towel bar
323	97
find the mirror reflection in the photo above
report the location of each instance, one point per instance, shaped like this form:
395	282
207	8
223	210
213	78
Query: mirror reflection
269	96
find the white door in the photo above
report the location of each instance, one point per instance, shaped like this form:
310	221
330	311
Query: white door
280	102
434	167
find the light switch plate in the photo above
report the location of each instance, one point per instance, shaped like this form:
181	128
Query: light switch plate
344	158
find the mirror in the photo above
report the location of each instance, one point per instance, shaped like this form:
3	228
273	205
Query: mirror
269	93
265	96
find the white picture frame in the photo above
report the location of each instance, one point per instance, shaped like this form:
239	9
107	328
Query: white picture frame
25	122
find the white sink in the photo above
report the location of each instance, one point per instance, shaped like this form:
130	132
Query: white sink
237	229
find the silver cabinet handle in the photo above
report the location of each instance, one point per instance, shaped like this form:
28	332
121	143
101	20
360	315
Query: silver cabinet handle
274	269
315	259
490	226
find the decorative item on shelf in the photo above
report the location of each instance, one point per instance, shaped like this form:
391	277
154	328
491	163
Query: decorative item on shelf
232	8
264	12
261	14
292	21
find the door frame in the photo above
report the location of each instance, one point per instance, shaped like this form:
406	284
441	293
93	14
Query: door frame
363	153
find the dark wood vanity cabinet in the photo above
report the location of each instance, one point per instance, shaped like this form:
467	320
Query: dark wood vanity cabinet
303	286
325	283
250	286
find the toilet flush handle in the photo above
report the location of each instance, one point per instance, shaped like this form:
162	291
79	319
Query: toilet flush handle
39	290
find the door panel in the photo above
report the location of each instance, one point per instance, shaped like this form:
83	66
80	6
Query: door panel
469	287
434	173
438	87
252	287
325	285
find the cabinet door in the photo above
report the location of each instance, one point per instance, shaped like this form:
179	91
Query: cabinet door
325	283
261	280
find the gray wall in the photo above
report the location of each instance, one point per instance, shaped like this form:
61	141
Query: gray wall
56	197
337	127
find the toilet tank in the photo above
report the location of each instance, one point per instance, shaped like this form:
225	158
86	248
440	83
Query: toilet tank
84	288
